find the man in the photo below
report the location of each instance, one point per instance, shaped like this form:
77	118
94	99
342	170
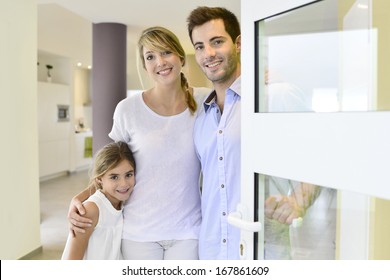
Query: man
216	37
215	34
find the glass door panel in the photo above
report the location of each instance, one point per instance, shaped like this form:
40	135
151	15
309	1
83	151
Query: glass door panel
303	221
300	220
320	58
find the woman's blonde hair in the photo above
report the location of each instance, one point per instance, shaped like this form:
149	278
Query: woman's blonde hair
160	39
108	158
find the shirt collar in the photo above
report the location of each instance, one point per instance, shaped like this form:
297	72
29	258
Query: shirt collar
235	88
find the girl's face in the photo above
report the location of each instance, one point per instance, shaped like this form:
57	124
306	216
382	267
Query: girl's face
118	183
163	67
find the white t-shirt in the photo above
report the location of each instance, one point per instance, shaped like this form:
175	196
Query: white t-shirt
105	241
165	203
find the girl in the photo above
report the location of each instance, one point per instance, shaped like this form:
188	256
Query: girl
113	179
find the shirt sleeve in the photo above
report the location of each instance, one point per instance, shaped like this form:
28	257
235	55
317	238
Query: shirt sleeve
118	132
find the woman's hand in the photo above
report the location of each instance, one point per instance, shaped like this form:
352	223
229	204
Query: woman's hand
77	223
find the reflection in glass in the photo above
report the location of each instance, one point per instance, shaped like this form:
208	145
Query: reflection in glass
300	220
318	58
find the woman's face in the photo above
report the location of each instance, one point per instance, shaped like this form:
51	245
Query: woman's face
162	66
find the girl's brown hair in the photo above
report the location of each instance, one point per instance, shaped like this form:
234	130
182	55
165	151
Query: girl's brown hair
108	158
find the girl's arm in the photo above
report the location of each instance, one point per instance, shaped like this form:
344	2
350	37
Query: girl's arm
79	242
78	222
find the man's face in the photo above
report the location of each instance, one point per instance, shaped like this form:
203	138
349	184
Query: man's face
215	51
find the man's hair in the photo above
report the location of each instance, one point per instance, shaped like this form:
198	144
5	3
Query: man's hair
204	14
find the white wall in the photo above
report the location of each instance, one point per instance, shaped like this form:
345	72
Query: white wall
19	200
64	33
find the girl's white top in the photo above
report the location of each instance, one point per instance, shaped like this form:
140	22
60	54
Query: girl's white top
165	203
105	241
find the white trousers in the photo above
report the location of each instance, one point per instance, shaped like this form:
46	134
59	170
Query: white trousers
161	250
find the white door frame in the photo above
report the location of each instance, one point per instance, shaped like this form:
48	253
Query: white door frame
348	151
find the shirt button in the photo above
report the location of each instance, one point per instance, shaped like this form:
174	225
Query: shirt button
220	132
224	240
223	213
220	158
222	186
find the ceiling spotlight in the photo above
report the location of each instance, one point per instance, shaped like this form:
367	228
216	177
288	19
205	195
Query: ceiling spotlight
362	6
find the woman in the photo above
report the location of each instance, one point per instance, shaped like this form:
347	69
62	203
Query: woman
162	217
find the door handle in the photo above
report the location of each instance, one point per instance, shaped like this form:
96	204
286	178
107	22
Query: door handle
239	220
235	219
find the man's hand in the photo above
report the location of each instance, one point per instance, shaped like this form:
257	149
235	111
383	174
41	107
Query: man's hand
284	209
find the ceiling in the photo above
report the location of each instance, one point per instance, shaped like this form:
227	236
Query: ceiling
135	14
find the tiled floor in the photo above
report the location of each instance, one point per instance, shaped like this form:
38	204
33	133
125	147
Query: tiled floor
55	196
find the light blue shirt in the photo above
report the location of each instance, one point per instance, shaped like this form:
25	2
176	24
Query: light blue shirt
218	144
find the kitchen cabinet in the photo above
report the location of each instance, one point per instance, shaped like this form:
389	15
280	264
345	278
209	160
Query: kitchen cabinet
54	130
83	151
